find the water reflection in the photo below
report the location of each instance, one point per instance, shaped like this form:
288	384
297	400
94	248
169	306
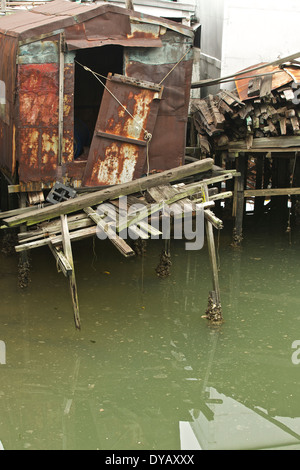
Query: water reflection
145	371
228	424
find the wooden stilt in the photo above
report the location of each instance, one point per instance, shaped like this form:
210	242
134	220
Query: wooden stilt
259	202
214	310
239	201
23	268
69	256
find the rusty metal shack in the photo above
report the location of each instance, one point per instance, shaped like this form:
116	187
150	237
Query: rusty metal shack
91	95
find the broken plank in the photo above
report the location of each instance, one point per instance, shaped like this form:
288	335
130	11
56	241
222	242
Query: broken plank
66	241
282	124
217	116
114	213
54	229
61	260
55	240
215	221
119	243
266	86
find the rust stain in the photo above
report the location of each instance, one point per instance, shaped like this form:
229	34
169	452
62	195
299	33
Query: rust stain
68	105
29	146
68	147
117	166
135	127
49	149
131	125
38	94
13	167
142	35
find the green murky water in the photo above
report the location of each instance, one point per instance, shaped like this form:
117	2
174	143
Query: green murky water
146	371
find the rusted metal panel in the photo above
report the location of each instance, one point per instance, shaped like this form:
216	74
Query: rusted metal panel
168	143
118	151
115	29
38	121
8	52
38	89
280	77
57	14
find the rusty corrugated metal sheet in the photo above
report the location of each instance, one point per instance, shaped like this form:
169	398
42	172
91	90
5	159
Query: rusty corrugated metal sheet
168	143
62	14
279	78
37	121
8	52
119	149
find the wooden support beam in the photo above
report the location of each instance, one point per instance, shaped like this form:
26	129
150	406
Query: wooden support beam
215	221
66	241
92	199
74	236
214	310
239	201
61	260
271	192
284	143
23	268
213	260
74	223
119	243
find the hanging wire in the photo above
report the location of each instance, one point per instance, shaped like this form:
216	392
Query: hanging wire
147	135
189	49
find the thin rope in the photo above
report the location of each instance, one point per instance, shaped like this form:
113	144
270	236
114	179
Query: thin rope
147	135
175	66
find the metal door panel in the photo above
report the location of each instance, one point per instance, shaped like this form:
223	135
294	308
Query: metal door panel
118	151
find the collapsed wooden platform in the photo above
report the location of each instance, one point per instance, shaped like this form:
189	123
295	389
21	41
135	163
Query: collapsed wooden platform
103	212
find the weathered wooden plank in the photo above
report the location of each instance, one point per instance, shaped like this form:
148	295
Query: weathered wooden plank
66	241
266	86
55	229
218	118
282	124
61	260
119	243
280	143
56	240
114	192
114	212
271	192
254	86
215	221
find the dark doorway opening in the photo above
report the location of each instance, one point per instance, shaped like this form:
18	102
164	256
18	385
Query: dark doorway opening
88	91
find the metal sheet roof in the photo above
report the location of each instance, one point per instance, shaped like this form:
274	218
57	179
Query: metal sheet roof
63	13
280	77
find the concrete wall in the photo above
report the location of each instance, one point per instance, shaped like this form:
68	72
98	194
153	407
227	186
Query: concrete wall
209	14
257	31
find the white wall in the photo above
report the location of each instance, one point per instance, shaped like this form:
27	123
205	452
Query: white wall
257	31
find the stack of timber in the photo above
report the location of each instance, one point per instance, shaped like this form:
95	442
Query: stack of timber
263	113
58	225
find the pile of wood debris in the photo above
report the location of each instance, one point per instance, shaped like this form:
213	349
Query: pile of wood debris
266	106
